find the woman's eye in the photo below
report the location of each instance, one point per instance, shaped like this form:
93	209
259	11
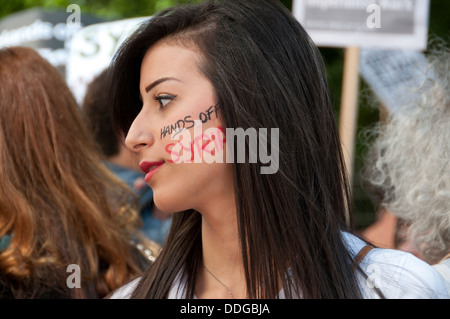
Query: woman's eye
163	100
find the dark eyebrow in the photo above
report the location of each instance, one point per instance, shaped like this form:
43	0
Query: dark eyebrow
155	83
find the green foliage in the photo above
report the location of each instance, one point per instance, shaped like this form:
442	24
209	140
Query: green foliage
107	9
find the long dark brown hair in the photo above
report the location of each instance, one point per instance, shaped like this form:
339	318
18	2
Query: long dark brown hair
267	73
58	203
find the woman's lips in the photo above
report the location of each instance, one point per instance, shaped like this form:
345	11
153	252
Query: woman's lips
150	168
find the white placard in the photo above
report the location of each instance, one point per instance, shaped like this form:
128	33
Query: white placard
397	77
47	31
390	24
92	49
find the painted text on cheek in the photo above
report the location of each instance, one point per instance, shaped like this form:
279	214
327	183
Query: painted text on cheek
205	146
187	122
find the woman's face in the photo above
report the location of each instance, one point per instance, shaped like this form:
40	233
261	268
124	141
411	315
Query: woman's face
177	134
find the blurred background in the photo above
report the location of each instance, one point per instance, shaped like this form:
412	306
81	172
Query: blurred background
92	12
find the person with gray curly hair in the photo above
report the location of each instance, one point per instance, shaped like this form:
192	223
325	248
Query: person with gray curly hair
408	167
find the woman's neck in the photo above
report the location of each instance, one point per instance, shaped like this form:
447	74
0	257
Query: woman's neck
222	273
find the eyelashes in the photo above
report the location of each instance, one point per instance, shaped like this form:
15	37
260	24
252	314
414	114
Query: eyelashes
164	99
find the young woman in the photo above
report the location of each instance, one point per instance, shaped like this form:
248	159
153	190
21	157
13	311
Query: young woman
245	66
64	228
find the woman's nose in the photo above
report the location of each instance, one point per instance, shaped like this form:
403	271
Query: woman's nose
139	135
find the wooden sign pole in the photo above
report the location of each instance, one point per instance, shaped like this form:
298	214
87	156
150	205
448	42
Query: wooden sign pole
349	108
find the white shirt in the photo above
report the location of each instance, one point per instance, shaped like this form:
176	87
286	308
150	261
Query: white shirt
399	275
443	268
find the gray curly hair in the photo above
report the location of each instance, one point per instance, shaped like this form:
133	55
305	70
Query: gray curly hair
408	164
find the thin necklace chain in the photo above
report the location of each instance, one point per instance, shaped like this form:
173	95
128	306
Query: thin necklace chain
228	290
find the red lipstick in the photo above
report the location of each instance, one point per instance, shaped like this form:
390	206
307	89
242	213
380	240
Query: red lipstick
150	168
